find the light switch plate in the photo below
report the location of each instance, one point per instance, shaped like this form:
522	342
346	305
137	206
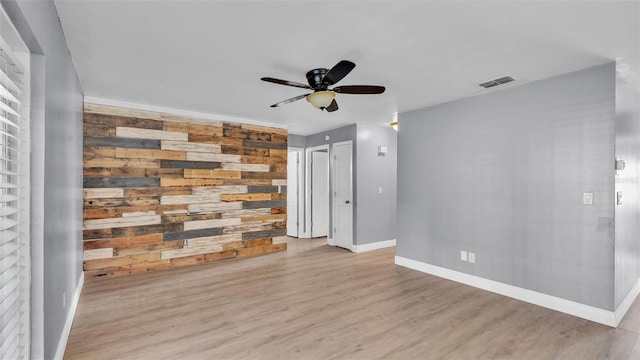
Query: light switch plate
379	189
587	198
619	198
463	255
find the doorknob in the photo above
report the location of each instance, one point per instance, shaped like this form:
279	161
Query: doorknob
346	202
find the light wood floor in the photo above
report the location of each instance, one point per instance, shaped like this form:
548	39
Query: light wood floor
319	302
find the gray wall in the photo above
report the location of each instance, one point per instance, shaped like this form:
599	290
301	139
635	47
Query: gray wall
376	220
627	215
297	141
503	175
57	159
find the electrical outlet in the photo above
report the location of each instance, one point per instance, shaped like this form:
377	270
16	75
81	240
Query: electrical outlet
587	198
472	257
379	189
463	255
64	299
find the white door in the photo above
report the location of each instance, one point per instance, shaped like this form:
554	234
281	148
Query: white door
342	196
293	164
319	194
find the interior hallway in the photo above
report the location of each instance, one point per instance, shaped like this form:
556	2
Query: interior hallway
319	302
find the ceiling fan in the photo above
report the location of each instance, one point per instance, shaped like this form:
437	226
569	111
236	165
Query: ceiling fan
319	81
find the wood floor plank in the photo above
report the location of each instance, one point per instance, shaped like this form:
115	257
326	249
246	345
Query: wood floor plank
320	302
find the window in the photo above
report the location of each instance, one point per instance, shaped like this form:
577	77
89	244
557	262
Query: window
14	195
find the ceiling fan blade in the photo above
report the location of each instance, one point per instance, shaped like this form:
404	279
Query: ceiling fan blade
286	82
338	72
359	89
289	100
332	107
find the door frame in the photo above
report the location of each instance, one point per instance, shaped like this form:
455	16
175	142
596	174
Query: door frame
307	192
299	190
334	211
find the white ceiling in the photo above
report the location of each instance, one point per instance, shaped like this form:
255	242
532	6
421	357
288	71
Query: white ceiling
208	56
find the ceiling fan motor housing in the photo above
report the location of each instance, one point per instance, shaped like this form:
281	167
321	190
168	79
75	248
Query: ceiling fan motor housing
315	76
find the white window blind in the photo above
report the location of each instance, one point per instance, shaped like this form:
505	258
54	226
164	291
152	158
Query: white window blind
14	200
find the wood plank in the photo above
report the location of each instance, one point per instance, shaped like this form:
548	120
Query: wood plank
97	152
246	167
189	182
265	218
190	146
182	164
181	218
214	207
226	189
279	239
122	203
147	248
245	197
150	154
98	130
279	182
206	224
258	182
96	193
96	172
181	235
264	204
210	157
218	239
120	261
103	253
265	144
138	213
171	254
262	189
213	139
211	174
145	230
121	120
190	127
121	222
100	213
112	182
263	175
122	241
245	151
189	199
248	227
120	142
144	172
245	213
273	130
118	163
263	234
136	133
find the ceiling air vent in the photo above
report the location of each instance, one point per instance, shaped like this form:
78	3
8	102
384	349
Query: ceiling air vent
497	81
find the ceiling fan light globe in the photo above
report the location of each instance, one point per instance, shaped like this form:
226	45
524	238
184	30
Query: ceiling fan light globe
321	99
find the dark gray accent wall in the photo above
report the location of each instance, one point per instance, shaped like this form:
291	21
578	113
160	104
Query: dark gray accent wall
376	219
627	214
503	175
56	116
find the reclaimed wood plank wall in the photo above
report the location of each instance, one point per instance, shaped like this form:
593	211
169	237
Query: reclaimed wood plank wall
162	191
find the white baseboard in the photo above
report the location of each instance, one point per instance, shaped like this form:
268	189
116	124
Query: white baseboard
64	337
588	312
331	242
626	303
373	246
